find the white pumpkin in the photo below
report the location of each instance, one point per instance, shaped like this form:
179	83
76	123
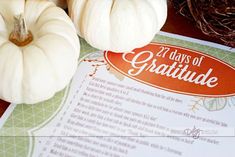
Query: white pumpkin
118	25
35	64
60	3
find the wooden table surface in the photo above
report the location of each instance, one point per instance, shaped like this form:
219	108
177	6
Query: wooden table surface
175	24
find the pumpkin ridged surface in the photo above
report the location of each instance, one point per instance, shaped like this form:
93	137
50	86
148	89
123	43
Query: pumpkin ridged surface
118	25
35	72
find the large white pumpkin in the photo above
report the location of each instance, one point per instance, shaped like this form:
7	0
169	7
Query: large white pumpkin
118	25
34	69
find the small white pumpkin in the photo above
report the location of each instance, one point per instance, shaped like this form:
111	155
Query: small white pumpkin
60	3
39	49
118	25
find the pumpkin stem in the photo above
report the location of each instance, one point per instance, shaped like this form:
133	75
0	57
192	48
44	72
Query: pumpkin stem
20	36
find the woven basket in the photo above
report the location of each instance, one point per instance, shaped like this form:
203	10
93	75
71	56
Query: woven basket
215	18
